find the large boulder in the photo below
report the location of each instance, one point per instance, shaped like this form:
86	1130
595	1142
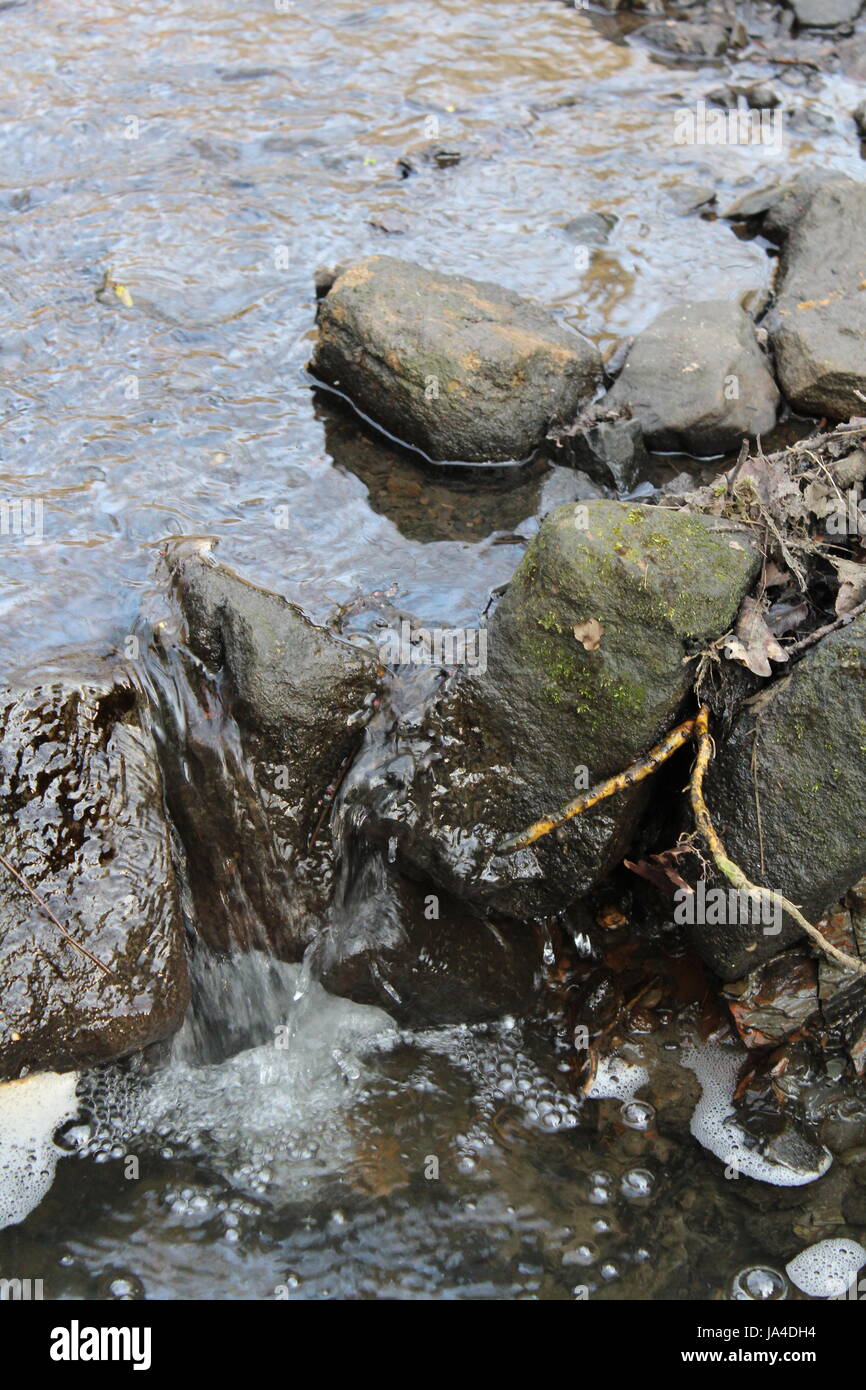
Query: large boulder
817	323
255	752
586	666
461	369
697	381
81	820
797	753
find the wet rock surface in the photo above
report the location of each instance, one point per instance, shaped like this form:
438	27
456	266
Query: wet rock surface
82	822
797	751
817	323
462	369
586	667
422	956
266	729
697	381
686	38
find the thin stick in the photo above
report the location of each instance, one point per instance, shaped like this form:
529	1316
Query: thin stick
47	910
635	772
806	642
728	868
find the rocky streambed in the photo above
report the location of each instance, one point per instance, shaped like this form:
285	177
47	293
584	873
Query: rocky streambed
262	891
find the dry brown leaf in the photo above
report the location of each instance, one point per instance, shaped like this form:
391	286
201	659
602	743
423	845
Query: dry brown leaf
852	585
753	644
590	633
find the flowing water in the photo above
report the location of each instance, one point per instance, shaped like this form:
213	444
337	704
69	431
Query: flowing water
209	157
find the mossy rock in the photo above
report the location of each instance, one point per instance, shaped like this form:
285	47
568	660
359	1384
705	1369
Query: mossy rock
511	739
808	733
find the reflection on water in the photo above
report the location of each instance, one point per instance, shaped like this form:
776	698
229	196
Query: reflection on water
209	158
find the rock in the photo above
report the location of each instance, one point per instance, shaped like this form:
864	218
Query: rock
824	14
807	731
514	736
424	957
775	999
591	228
817	323
859	117
298	696
685	38
262	737
852	56
777	208
757	96
697	381
81	806
608	449
461	369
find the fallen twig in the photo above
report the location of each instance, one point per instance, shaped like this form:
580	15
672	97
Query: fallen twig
731	871
47	910
820	632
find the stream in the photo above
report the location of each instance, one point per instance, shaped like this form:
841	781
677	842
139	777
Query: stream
210	157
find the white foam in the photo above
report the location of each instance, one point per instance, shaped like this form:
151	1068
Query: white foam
30	1111
827	1269
714	1124
271	1117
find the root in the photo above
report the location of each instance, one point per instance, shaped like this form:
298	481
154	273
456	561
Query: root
635	772
699	730
731	871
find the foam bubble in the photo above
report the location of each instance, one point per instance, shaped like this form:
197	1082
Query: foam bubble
827	1269
714	1125
30	1111
617	1079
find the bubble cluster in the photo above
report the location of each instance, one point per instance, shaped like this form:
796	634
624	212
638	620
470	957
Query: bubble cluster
30	1111
827	1269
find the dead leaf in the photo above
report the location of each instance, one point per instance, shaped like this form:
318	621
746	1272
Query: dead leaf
590	633
852	585
821	498
786	615
661	870
774	577
753	644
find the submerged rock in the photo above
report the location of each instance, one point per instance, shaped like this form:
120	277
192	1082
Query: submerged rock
817	323
586	667
461	369
696	380
81	808
797	751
